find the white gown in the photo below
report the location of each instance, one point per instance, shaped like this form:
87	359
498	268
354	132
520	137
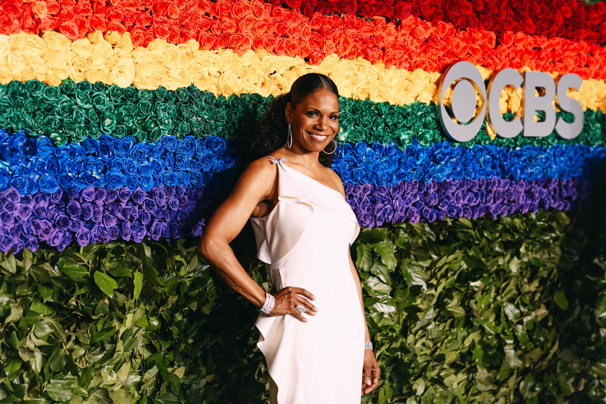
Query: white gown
305	241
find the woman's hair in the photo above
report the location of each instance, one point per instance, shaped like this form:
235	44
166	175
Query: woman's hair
270	133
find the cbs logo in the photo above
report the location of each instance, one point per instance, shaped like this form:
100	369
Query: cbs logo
464	117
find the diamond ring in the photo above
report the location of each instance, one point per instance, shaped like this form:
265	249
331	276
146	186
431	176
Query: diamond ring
301	308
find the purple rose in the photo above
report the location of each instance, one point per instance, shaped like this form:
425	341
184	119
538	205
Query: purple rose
145	217
12	195
159	195
88	194
125	230
55	237
111	195
31	243
139	196
414	215
173	203
138	232
156	230
73	208
109	220
24	212
75	224
99	195
97	213
466	212
62	222
105	234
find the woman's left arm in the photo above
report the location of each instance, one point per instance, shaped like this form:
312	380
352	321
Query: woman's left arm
371	369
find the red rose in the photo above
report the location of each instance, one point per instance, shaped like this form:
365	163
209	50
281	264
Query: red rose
346	42
330	47
241	9
27	19
144	19
293	3
115	14
175	34
39	9
206	40
205	23
100	9
161	30
116	27
246	23
82	24
70	30
281	46
292	47
402	10
52	7
257	43
295	31
49	24
316	41
258	8
235	40
222	41
83	9
316	57
228	25
67	3
66	14
222	8
216	27
132	5
96	23
172	11
307	10
281	28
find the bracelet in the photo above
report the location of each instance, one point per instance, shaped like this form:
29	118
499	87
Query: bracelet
368	346
268	306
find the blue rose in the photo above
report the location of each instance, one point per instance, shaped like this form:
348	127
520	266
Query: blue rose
169	143
169	178
147	183
132	182
115	179
107	148
217	145
125	145
187	146
116	164
48	184
140	152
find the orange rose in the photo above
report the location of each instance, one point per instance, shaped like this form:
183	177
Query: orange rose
144	19
228	25
66	14
39	9
137	36
258	8
206	40
246	23
49	24
83	9
161	30
222	8
52	7
241	9
70	30
281	46
116	27
82	24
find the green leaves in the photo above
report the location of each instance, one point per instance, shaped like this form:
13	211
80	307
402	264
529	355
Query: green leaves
507	310
105	282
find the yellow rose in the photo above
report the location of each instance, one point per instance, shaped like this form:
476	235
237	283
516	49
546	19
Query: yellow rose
98	72
112	37
77	68
123	72
102	52
55	40
185	57
82	48
229	83
17	62
4	46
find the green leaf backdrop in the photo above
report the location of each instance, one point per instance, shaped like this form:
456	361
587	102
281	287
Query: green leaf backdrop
483	311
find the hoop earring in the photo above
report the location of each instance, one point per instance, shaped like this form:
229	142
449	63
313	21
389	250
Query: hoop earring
289	137
333	150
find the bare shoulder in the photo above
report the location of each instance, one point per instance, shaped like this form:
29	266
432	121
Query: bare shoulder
336	179
261	173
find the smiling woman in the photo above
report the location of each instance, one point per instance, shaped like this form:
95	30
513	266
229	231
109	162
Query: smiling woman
316	352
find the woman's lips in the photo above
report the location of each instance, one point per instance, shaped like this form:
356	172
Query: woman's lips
318	138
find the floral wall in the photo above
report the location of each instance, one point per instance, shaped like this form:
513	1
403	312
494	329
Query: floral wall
123	123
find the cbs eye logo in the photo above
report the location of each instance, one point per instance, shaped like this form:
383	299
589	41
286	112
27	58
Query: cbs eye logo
472	103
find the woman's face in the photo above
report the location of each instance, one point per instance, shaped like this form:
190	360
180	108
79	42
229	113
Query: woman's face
314	120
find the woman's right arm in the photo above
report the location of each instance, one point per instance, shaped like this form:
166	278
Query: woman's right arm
256	184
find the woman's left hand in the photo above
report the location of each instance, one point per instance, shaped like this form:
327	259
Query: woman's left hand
370	372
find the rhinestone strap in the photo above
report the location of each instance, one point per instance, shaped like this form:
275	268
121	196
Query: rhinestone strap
368	346
268	306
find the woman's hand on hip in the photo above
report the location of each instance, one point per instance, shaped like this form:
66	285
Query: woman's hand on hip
289	298
370	372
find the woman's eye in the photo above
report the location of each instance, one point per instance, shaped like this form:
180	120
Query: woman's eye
334	117
312	113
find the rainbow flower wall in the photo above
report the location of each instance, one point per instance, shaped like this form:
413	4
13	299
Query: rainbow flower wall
124	121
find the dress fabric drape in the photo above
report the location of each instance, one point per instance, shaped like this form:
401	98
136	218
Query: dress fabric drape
305	240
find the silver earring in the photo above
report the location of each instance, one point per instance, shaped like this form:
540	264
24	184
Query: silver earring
333	150
289	137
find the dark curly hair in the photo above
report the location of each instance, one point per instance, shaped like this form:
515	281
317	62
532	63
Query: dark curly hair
270	133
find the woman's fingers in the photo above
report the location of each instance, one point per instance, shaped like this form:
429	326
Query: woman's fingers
289	298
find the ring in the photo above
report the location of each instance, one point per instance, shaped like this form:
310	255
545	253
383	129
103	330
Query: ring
301	308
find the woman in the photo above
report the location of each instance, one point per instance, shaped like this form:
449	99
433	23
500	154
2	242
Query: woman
313	330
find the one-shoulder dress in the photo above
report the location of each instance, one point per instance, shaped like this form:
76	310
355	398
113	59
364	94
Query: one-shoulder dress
305	241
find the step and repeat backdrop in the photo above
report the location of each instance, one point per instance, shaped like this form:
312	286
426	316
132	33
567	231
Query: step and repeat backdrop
124	123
